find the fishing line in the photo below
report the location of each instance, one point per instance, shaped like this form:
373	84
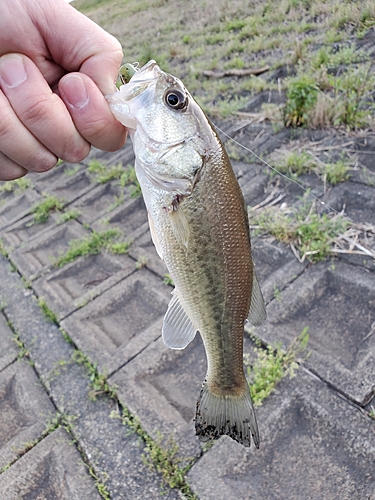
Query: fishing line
275	170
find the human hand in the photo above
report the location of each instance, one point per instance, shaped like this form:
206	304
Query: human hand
55	66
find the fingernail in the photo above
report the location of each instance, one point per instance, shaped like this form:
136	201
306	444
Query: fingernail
74	91
12	70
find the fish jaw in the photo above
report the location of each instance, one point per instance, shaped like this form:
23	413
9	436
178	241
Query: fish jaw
134	95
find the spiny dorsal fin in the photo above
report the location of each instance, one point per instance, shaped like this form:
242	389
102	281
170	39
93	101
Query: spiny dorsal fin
257	313
178	330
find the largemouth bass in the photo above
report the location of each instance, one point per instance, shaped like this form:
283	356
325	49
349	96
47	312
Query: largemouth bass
199	225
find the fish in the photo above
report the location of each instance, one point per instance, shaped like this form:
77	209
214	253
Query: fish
199	226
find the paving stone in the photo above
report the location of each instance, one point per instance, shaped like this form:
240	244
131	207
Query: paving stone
8	349
162	386
73	286
24	410
99	201
17	207
275	265
52	470
116	326
110	445
42	251
358	199
338	305
130	217
313	445
143	249
72	187
24	230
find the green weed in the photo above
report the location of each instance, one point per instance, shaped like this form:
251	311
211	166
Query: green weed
141	262
336	172
168	280
92	245
69	215
164	461
120	248
294	162
47	312
159	456
23	352
301	97
3	251
98	381
310	233
271	365
43	209
17	186
69	172
104	173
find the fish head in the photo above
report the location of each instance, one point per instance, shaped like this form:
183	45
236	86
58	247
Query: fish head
159	108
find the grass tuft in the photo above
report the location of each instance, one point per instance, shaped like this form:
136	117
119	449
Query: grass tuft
43	209
47	312
310	233
17	186
92	245
271	365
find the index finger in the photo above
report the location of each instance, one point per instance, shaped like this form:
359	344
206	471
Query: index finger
87	48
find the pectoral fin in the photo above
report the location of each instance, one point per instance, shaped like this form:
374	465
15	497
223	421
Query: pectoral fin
257	313
178	330
180	226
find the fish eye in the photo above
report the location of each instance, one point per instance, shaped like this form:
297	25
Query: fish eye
175	99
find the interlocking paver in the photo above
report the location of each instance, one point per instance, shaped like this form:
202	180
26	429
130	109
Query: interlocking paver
99	201
130	217
53	469
116	326
77	283
70	187
40	254
17	207
275	266
358	200
24	230
313	445
337	303
24	410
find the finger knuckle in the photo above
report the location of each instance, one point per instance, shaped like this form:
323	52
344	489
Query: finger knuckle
37	110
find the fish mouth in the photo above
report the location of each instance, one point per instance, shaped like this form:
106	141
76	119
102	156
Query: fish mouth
149	72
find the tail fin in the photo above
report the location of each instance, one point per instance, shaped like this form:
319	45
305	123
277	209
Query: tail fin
226	415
